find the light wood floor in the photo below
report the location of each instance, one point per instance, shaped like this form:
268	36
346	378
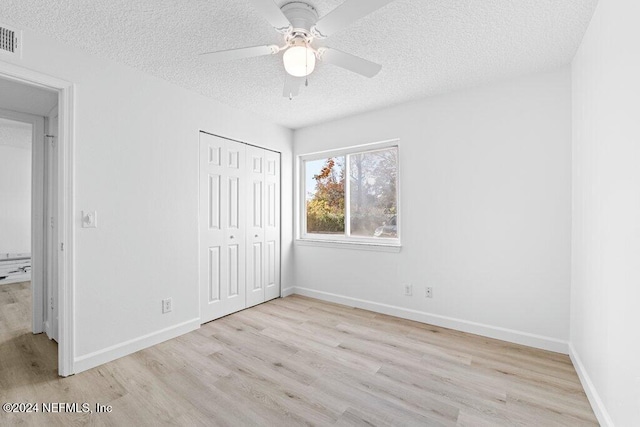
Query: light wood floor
297	361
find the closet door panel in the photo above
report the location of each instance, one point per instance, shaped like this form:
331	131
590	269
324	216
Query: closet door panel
272	225
222	230
213	274
255	229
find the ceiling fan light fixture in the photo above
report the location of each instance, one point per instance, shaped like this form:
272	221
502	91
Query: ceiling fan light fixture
299	25
299	61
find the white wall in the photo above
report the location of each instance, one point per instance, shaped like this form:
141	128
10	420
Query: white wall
485	209
15	196
606	213
136	163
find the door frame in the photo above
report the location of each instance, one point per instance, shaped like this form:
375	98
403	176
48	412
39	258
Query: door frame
65	204
51	253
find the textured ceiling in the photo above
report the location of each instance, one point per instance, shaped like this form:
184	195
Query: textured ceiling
426	47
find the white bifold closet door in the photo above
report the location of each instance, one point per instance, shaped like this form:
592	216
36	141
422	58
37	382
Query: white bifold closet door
239	226
263	230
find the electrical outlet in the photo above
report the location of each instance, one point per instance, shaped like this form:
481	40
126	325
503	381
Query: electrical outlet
167	305
428	292
408	290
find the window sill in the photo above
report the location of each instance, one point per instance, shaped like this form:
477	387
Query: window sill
361	246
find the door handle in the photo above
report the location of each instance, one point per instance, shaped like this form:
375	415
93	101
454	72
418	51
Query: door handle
231	237
256	235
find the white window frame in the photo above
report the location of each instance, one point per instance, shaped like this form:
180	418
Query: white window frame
341	240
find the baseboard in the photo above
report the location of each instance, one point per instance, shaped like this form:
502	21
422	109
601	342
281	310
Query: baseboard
108	354
504	334
592	394
287	291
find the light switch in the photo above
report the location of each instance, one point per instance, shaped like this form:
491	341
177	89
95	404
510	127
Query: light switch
89	219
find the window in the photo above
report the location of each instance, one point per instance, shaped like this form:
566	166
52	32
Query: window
351	195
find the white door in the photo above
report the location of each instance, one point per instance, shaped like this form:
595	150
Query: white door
222	226
272	225
263	229
256	226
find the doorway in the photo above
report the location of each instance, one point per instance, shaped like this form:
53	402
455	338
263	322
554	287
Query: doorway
27	218
42	106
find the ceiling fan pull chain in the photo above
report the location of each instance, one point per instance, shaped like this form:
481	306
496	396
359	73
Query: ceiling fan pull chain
306	65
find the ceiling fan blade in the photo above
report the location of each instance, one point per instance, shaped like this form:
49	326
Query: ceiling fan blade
272	13
349	62
292	86
243	52
344	15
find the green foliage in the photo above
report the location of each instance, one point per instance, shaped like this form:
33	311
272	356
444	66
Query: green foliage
322	217
325	212
373	193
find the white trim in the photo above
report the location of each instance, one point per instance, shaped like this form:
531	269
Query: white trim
496	332
287	291
300	197
51	221
65	199
119	350
53	112
342	237
66	234
348	244
197	213
38	214
592	394
341	151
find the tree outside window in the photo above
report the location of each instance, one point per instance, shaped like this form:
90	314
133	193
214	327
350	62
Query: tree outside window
353	195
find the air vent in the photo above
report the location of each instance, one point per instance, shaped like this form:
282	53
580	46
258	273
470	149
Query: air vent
8	41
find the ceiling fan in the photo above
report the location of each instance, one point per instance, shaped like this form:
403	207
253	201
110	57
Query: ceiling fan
298	22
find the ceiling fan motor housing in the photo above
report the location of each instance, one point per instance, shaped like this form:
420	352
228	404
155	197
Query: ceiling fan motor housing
301	15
